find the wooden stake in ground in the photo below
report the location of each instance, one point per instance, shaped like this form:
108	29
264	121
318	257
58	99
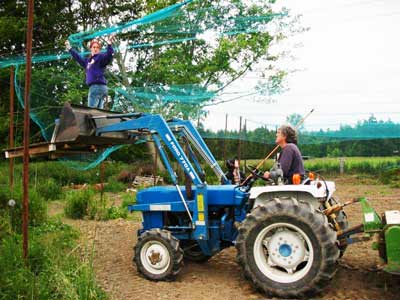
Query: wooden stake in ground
25	214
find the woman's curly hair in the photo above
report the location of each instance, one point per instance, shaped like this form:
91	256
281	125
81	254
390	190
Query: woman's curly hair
290	133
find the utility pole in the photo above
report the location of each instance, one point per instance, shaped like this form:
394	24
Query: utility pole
226	131
240	141
11	129
25	205
244	143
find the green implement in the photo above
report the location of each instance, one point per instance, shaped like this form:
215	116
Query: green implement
387	230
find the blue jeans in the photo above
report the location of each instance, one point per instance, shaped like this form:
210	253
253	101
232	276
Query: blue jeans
98	94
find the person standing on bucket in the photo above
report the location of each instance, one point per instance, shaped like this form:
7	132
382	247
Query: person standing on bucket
95	65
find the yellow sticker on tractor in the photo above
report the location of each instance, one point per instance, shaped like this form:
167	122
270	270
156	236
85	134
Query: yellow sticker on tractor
200	202
201	217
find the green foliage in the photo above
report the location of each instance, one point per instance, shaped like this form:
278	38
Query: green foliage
192	61
114	186
335	152
131	154
54	271
128	199
369	128
59	173
115	212
391	176
80	203
37	207
294	119
374	166
353	165
85	203
5	226
49	189
365	139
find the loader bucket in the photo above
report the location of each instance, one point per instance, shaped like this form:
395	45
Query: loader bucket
77	125
75	133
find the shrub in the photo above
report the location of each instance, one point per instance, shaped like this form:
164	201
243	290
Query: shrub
114	186
37	208
115	212
391	176
5	227
128	199
49	189
4	196
79	203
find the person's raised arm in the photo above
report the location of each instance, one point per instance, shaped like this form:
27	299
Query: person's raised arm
75	54
107	57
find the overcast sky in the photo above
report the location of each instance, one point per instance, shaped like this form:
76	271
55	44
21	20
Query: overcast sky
350	68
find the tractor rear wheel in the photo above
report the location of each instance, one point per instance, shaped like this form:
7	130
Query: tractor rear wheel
158	255
287	249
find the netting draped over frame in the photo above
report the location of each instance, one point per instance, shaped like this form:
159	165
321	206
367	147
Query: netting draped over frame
57	79
198	37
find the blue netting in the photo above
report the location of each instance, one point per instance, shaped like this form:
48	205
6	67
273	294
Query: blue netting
208	24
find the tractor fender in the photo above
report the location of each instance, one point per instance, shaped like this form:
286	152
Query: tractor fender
309	193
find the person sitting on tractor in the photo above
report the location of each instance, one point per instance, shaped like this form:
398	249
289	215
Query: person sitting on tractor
94	66
290	159
234	174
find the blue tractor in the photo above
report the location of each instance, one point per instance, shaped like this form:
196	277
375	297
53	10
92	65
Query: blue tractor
288	237
286	245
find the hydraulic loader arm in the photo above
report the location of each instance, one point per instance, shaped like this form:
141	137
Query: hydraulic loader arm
159	129
190	132
155	124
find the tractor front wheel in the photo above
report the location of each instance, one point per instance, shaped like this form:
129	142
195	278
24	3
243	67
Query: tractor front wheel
286	248
158	255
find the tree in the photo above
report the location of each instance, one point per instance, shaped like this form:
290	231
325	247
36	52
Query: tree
194	62
294	120
52	22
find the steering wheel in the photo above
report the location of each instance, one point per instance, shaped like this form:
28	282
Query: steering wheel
255	172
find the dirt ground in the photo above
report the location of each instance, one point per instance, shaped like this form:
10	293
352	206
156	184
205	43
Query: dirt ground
220	278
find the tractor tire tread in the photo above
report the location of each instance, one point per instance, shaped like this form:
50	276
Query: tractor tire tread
325	236
171	242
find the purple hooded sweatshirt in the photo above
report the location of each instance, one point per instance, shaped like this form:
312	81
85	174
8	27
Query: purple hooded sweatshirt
94	65
291	162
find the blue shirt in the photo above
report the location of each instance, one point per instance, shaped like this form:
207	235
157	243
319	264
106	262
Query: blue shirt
94	65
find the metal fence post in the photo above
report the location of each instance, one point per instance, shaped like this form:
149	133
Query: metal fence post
11	129
28	72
